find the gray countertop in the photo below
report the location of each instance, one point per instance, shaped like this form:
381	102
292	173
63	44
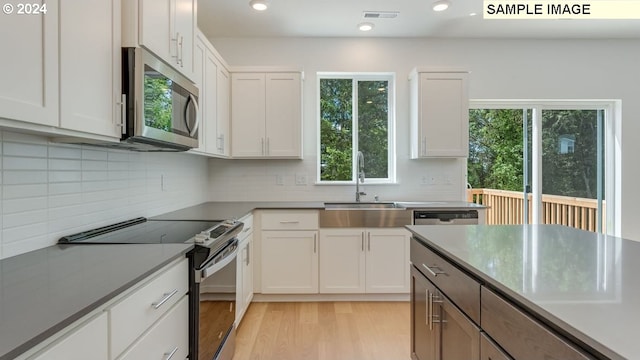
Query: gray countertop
582	283
212	211
44	291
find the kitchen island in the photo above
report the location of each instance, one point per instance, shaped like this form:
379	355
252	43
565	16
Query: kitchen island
578	286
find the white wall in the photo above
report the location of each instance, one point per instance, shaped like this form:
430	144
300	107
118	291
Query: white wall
49	190
500	69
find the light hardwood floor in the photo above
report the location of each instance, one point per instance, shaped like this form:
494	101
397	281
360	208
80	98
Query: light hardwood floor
324	331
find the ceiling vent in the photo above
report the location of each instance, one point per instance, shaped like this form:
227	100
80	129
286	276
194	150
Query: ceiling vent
380	14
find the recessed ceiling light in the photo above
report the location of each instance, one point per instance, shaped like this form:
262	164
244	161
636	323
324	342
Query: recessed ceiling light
473	14
441	5
260	5
365	26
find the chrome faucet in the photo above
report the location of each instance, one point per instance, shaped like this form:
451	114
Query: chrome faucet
360	178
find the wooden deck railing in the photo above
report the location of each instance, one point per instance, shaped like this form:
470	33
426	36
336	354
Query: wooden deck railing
507	207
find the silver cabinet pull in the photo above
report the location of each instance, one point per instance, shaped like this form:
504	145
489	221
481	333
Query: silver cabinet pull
262	144
123	113
268	149
315	244
369	242
362	242
427	303
164	299
169	355
289	222
435	273
246	229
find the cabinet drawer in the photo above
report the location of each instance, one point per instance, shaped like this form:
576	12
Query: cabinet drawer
169	336
520	335
134	314
247	229
459	287
290	220
87	342
490	351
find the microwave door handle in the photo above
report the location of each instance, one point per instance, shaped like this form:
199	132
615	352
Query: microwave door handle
211	269
194	102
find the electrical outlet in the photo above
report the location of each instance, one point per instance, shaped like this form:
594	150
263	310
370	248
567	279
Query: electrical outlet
279	179
301	179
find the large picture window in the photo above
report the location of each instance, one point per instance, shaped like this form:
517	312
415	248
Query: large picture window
356	115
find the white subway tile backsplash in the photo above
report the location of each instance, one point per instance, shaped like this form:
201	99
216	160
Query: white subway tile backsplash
22	149
65	152
18	177
23	191
64	176
94	154
23	163
49	190
64	164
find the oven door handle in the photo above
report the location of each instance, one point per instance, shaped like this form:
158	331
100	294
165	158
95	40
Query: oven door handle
217	263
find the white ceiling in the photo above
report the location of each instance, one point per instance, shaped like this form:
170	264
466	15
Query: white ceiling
339	18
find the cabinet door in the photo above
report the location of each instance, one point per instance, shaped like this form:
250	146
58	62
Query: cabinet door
184	33
29	66
90	62
87	342
460	337
199	54
166	339
289	262
387	261
424	332
223	107
490	351
283	115
444	115
248	115
342	261
156	30
210	103
244	293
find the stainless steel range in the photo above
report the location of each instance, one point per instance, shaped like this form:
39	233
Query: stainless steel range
212	281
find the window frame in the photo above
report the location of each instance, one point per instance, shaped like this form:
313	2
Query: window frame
391	126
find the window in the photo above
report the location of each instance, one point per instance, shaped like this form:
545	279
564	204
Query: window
356	114
547	162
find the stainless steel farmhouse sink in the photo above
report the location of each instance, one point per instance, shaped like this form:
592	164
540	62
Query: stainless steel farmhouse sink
363	214
359	205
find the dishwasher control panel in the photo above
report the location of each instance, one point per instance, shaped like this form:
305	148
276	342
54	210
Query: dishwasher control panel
445	217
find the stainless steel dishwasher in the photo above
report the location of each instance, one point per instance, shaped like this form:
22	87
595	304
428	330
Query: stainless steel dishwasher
445	217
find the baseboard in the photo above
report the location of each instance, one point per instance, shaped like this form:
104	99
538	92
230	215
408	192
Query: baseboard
328	297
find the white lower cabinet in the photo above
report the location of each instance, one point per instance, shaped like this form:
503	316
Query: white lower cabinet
90	341
244	277
136	313
358	260
167	338
289	262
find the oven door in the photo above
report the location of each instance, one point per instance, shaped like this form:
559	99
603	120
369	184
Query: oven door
216	305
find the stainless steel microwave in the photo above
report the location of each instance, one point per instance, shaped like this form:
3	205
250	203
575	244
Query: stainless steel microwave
161	105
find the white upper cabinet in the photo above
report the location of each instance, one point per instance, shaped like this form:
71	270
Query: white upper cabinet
64	69
164	27
266	115
29	66
439	111
212	78
90	67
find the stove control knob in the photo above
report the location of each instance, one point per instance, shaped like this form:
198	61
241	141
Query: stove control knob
200	238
